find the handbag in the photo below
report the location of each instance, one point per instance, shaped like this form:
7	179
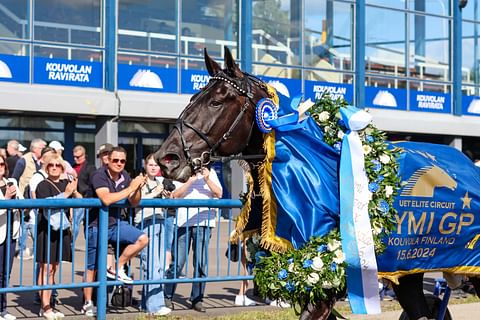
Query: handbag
58	219
121	296
233	252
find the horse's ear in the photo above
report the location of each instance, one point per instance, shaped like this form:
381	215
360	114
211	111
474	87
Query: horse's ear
212	67
232	67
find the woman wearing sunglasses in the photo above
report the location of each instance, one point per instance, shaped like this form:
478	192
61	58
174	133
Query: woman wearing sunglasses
53	241
9	231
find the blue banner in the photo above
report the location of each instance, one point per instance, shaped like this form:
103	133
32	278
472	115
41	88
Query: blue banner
430	102
194	80
386	98
68	72
147	78
315	90
471	105
288	87
437	223
14	68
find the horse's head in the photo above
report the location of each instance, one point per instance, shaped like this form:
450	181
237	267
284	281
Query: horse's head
218	121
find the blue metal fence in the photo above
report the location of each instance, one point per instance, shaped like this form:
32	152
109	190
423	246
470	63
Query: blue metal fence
218	270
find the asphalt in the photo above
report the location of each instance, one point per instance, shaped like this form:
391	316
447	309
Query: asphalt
219	297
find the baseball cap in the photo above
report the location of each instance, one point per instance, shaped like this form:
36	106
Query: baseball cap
56	145
21	148
106	147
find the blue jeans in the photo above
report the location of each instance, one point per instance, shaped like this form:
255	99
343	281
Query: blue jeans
78	215
4	272
153	262
28	227
198	238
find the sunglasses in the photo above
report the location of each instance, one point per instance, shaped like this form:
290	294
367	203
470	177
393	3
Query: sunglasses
54	165
2	164
78	157
122	161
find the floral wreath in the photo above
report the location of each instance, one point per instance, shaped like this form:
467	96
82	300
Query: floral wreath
317	270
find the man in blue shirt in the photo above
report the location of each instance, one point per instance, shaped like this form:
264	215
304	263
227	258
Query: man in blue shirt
111	183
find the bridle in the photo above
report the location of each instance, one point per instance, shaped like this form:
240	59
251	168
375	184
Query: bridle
206	157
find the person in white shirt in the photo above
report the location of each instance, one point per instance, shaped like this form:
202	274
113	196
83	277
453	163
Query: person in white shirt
196	224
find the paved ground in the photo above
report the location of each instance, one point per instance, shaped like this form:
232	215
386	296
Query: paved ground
219	295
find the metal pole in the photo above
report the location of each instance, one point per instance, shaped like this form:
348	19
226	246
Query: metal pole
102	263
245	45
360	54
457	59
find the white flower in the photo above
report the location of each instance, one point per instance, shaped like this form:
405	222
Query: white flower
384	158
340	134
366	149
333	245
377	229
339	257
313	278
291	267
317	264
370	196
388	191
323	116
327	284
327	129
336	282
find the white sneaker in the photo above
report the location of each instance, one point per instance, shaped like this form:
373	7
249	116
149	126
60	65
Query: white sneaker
162	312
8	316
120	277
243	300
25	254
59	315
88	309
280	304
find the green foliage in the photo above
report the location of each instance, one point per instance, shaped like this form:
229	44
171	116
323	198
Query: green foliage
312	273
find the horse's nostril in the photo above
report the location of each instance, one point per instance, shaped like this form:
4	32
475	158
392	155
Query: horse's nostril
169	159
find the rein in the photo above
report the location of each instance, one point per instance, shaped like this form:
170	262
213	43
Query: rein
206	157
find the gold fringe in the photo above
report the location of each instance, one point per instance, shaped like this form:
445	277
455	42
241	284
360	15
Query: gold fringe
272	92
242	219
269	240
461	270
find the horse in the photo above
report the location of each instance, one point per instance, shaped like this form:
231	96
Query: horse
219	121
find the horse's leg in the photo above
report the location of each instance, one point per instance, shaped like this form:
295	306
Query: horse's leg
410	295
476	284
318	311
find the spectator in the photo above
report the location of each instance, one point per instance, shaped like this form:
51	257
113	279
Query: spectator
14	152
103	152
111	183
196	225
82	168
8	190
53	244
152	221
241	299
69	172
24	170
28	164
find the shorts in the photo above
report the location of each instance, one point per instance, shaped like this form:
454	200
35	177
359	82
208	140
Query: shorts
128	234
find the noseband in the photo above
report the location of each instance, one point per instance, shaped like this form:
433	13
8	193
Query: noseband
205	158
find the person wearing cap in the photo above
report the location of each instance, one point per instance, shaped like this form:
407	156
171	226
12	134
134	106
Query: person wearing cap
28	164
14	153
69	172
102	153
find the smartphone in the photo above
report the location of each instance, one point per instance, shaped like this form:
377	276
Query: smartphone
70	177
9	183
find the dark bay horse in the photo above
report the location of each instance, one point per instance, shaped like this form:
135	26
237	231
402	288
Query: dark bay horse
220	121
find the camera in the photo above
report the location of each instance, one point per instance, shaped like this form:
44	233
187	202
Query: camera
9	183
168	185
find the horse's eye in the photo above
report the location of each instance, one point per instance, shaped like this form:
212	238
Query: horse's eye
216	104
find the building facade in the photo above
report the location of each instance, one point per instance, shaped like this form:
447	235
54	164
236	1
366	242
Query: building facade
90	71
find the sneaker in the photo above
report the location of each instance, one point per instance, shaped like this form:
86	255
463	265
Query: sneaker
49	315
120	277
162	312
7	316
59	315
280	304
88	310
243	300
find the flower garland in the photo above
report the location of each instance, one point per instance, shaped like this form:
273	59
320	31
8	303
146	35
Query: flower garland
317	270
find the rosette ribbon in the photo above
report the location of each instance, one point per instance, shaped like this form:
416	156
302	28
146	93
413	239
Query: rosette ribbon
355	228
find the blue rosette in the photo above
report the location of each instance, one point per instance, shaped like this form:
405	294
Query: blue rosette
265	111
